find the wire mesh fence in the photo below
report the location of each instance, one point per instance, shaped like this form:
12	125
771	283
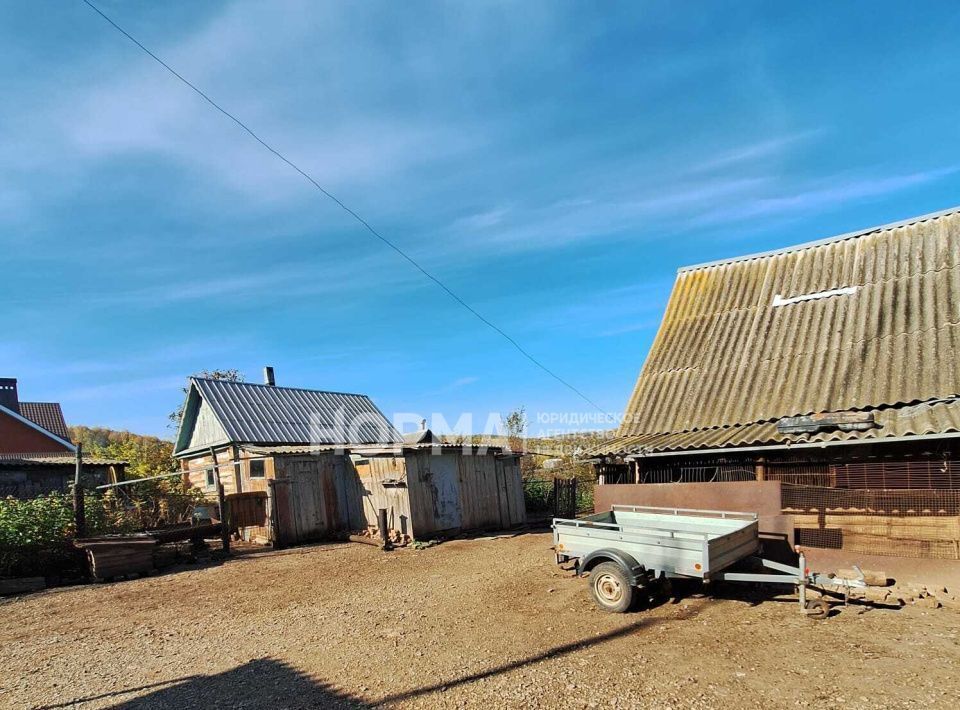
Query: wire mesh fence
899	522
908	507
543	497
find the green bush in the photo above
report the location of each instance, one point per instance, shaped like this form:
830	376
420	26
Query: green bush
36	535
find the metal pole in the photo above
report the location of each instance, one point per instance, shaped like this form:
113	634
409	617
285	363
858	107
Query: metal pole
79	468
803	581
384	535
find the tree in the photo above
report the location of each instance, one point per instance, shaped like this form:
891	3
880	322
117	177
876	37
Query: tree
515	427
146	455
231	375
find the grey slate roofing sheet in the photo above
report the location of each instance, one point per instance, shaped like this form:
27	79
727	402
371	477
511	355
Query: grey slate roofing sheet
937	417
266	414
46	414
48	459
726	357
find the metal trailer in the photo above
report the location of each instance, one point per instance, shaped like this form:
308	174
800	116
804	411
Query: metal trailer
636	548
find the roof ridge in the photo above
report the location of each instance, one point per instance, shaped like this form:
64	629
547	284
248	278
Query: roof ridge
825	240
280	387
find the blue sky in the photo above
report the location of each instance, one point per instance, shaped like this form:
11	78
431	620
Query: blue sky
552	163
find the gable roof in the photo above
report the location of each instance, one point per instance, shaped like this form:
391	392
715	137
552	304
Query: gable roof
865	321
48	415
265	414
422	436
62	441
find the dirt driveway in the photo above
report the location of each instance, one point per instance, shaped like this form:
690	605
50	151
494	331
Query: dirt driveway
481	623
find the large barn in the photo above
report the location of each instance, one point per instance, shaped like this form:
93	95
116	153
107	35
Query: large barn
832	367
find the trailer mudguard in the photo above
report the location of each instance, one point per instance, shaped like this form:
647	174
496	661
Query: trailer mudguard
634	570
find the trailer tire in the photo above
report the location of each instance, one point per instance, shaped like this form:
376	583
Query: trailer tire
818	609
611	588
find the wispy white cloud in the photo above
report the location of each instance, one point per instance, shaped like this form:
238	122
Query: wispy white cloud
572	220
609	312
832	193
775	148
457	384
122	390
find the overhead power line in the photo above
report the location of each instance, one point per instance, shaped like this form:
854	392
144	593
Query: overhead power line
366	225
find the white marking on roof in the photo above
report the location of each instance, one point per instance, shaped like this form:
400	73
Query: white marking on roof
779	300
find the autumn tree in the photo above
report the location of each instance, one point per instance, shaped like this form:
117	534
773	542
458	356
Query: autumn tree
515	427
146	455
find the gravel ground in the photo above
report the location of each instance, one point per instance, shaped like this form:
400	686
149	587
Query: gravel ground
472	623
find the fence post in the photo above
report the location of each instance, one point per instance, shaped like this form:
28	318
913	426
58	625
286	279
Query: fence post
224	519
79	514
384	535
275	532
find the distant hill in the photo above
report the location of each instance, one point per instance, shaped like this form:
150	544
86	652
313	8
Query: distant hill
147	455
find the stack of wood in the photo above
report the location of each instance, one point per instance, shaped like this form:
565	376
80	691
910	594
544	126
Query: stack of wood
118	556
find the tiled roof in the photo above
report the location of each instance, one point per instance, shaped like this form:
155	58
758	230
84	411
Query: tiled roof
866	321
48	415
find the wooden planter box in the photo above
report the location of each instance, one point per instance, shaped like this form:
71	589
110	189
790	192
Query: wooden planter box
119	556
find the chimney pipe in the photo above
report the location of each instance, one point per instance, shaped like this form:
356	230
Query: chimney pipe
8	394
268	378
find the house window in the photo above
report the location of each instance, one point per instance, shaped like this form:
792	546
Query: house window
211	478
257	469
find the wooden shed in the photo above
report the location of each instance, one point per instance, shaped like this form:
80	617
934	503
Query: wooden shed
429	489
298	465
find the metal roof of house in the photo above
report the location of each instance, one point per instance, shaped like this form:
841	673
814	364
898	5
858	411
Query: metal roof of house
266	414
866	321
46	414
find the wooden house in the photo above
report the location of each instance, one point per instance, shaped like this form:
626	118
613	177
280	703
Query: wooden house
298	464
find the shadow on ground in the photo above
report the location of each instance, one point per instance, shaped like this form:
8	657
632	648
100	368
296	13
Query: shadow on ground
555	652
263	683
270	683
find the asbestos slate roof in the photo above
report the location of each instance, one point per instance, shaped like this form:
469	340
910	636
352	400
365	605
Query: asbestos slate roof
866	321
264	414
46	414
48	459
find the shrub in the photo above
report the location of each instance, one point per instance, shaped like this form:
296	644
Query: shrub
36	535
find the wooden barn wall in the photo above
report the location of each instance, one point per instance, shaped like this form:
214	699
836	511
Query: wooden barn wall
194	469
206	428
30	481
236	481
490	491
370	475
319	497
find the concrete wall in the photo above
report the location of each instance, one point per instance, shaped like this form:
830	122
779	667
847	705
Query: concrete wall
761	497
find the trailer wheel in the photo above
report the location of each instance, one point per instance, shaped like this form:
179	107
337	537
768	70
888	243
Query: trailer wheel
818	609
611	587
